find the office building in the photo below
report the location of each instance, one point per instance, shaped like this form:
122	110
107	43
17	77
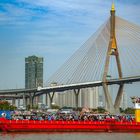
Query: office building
33	72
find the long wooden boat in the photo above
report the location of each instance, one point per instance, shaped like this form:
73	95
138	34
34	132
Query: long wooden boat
68	126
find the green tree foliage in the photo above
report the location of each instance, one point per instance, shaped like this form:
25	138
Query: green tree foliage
55	107
28	107
5	105
122	110
101	110
129	110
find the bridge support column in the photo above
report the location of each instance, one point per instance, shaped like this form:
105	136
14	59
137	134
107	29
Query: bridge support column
108	98
18	103
31	100
76	92
14	102
51	98
118	98
46	99
24	101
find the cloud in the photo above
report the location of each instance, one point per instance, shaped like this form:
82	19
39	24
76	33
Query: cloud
21	12
53	28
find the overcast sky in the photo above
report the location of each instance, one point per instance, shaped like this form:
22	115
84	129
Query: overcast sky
53	29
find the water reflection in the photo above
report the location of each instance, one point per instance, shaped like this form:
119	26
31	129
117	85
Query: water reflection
69	136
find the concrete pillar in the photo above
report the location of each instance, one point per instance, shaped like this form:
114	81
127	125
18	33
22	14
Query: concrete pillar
46	100
118	99
110	106
24	100
18	103
51	98
76	92
13	101
31	99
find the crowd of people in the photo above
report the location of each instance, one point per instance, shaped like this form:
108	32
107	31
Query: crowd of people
70	116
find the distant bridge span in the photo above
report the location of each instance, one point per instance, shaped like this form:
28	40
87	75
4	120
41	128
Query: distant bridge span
60	88
18	91
9	97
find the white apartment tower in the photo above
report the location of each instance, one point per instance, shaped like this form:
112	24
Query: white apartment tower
88	97
124	101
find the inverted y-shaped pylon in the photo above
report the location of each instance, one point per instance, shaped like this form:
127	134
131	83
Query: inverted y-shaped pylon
112	51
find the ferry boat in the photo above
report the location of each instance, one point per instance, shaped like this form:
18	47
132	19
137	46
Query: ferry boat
67	126
108	125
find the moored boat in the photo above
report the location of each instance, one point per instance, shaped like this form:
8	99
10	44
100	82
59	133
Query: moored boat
68	126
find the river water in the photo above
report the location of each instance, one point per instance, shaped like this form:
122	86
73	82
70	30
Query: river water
70	136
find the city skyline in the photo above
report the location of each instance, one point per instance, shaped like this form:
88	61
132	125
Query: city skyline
50	29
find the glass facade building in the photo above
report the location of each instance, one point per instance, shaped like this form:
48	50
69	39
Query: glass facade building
33	72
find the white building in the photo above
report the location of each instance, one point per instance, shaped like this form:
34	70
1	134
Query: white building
90	97
124	104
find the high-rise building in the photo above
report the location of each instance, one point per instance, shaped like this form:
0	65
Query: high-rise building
66	98
124	101
90	97
33	72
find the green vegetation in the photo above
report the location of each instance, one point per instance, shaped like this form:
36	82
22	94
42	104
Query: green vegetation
55	107
5	105
127	110
99	110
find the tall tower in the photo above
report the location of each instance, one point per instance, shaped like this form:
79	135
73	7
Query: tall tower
33	72
112	52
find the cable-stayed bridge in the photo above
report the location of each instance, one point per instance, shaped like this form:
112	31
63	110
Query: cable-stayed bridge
87	64
23	93
112	51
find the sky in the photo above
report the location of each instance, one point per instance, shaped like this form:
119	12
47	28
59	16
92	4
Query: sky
52	29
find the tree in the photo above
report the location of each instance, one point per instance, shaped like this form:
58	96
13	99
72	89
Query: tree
55	107
101	110
5	105
129	110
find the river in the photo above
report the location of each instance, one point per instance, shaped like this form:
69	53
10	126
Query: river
70	136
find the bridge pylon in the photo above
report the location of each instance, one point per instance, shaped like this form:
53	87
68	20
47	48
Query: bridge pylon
112	51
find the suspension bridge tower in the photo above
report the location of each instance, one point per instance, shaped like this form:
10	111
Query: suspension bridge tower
112	52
